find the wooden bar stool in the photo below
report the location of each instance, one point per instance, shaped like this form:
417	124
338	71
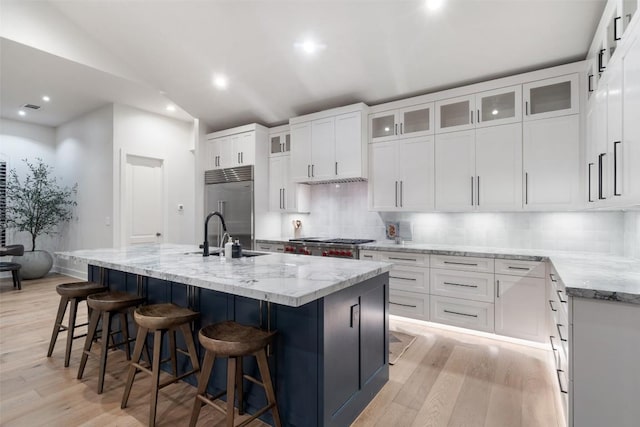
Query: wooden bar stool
158	319
71	293
13	267
104	305
233	340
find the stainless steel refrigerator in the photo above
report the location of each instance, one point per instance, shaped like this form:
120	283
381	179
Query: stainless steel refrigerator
230	192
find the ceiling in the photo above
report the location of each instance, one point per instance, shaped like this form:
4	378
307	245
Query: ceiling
375	51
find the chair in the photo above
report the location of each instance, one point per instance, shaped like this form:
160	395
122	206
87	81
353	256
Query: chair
13	267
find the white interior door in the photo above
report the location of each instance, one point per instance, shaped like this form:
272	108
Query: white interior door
144	204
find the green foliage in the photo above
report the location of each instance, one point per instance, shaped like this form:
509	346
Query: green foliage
38	204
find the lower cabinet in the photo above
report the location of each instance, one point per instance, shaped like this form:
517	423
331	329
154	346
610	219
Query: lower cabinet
520	307
409	304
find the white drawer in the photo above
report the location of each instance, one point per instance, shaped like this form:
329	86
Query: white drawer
521	268
465	263
464	313
369	255
405	258
412	279
462	284
409	304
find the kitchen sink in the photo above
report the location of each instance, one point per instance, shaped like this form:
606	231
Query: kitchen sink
216	252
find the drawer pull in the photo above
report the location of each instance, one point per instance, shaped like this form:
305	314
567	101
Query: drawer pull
460	284
518	268
552	277
461	314
367	256
551	337
265	248
402	278
559	292
279	249
560	382
403	305
403	259
551	305
462	263
560	333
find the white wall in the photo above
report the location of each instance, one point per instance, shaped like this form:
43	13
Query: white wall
18	141
340	210
147	134
84	154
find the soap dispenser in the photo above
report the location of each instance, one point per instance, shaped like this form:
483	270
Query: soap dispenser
228	248
236	249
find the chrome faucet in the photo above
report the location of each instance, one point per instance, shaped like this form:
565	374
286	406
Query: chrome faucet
205	245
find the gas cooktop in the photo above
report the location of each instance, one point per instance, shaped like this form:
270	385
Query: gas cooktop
334	241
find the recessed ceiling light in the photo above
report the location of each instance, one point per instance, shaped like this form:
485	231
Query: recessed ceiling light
494	112
309	46
171	107
45	98
21	113
220	81
434	5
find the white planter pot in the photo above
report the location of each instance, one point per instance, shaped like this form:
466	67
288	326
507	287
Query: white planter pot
35	264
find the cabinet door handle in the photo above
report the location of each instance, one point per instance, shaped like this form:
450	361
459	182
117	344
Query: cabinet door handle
242	156
336	168
401	129
403	278
401	194
238	158
560	333
396	132
497	288
600	176
526	108
615	28
590	79
403	305
589	177
478	116
551	337
471	191
559	382
559	292
478	193
308	171
460	284
526	188
402	259
284	199
615	167
518	268
601	66
461	314
396	194
551	305
313	171
461	263
471	115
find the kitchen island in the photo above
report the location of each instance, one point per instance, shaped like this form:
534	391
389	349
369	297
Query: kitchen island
331	352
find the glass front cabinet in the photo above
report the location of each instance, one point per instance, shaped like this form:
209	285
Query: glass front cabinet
499	107
280	142
553	97
412	121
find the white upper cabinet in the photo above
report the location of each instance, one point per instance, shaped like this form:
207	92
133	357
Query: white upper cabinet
627	153
402	175
455	114
550	163
285	195
331	147
552	97
279	143
499	107
456	171
243	149
412	121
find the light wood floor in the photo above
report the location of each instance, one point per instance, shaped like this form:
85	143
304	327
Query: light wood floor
444	379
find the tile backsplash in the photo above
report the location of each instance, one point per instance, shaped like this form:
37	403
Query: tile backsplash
340	210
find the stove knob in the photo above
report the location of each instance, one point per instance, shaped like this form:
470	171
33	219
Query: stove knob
349	254
343	253
324	253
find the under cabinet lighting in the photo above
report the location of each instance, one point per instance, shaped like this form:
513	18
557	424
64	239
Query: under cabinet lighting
45	98
21	113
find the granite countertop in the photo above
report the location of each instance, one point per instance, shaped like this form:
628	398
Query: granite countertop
292	280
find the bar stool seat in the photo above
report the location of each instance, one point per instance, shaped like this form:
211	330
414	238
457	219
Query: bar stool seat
233	340
104	305
160	319
73	293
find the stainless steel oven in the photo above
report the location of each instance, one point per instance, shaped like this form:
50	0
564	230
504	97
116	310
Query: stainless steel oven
338	248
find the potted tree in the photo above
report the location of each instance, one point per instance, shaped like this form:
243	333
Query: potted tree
37	205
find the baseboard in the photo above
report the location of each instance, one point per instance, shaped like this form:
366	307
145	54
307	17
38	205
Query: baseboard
78	274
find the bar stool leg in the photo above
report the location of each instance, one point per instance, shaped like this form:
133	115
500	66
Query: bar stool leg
231	387
172	351
191	347
155	375
137	354
124	327
265	375
62	307
239	385
70	330
16	279
203	382
106	328
91	333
